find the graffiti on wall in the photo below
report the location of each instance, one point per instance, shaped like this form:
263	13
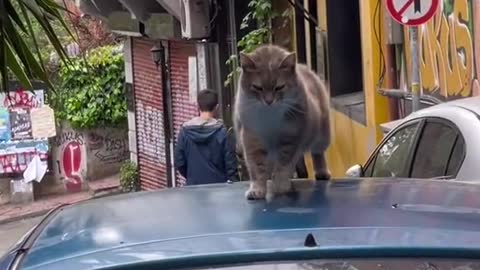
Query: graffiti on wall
15	163
24	99
70	158
71	165
17	145
15	156
109	149
150	140
79	153
447	51
68	136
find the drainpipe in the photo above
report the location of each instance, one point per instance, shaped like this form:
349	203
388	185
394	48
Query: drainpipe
391	79
161	61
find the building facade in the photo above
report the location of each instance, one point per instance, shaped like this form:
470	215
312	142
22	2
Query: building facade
354	46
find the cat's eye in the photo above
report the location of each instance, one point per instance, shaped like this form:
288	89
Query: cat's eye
279	87
257	88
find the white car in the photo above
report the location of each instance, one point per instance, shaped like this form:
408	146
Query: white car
442	141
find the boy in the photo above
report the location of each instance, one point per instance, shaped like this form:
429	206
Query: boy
203	155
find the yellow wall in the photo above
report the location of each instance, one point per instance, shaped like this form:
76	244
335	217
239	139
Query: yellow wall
353	142
448	50
450	68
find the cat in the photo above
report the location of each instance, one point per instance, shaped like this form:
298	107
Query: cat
281	111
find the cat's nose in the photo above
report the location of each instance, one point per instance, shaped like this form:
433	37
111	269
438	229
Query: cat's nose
269	101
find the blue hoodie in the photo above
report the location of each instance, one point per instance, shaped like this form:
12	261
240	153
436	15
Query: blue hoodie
203	154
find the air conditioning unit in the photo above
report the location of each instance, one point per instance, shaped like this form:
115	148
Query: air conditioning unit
195	18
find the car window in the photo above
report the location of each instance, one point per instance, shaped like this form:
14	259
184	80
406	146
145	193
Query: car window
456	159
393	154
369	169
434	150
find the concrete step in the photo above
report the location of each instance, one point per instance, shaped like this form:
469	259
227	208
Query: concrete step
105	187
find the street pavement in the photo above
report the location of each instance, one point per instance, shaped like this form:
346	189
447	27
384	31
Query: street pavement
10	233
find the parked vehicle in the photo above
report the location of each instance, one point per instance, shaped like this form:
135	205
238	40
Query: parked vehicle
349	224
441	141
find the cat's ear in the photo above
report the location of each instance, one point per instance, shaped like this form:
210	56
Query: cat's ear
289	61
246	62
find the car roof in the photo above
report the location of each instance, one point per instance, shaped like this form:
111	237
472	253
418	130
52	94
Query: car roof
215	219
472	104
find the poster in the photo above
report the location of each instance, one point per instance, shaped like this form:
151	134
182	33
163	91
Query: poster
43	122
5	133
20	124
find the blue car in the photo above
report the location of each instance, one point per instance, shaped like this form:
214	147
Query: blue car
341	224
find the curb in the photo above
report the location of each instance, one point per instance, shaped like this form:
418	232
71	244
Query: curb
105	190
101	193
25	216
107	193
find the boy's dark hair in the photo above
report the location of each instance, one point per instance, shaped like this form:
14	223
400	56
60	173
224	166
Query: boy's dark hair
207	100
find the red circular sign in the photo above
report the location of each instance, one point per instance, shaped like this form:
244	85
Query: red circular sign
412	12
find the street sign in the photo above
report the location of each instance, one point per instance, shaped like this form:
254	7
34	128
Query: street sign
412	12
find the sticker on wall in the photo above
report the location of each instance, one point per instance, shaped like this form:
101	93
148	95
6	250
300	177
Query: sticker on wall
21	124
43	122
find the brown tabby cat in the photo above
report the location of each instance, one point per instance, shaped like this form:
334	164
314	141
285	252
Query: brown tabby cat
281	111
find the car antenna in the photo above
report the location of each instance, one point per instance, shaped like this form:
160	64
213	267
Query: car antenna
310	241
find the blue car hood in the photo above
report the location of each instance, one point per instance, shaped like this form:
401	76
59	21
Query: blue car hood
217	219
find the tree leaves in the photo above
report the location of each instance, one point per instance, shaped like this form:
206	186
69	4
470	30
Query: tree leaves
260	15
92	92
16	57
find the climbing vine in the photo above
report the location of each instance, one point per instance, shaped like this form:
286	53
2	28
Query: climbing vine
260	16
91	92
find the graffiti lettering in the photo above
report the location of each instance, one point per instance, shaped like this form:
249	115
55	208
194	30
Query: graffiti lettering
69	136
17	162
117	144
108	149
446	51
23	99
150	141
114	150
112	158
95	141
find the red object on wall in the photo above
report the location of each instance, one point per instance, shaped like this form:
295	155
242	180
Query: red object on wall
183	109
149	117
72	161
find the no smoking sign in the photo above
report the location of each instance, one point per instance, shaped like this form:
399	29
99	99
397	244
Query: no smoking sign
412	12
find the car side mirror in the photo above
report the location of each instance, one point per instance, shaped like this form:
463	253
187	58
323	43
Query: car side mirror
355	171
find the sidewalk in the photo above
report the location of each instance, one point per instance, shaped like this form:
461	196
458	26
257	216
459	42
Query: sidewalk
14	212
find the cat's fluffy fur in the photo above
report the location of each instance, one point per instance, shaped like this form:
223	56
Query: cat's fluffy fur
281	112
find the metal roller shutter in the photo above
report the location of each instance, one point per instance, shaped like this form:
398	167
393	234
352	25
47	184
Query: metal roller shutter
149	117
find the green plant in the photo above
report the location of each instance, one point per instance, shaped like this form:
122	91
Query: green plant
129	177
20	50
260	16
91	91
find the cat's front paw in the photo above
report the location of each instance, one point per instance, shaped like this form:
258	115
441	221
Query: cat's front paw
255	193
323	175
